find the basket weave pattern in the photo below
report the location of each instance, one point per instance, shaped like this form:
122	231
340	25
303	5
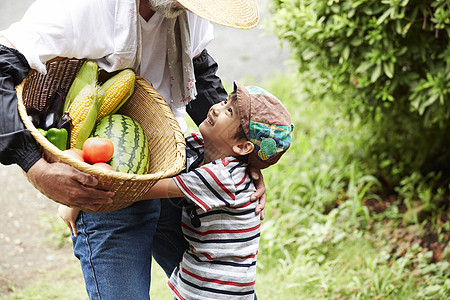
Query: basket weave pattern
146	106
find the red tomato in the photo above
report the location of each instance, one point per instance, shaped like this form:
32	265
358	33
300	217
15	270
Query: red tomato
97	149
75	153
103	165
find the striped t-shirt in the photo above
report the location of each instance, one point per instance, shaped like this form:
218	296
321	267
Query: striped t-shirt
220	262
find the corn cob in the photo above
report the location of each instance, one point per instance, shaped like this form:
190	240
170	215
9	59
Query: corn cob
83	112
116	91
87	74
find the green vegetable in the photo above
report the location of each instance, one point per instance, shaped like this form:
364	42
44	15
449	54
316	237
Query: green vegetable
42	131
58	137
130	143
88	74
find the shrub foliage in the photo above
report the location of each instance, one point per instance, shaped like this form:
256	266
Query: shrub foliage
387	61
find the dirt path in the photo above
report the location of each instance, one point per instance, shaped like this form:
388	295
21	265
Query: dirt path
25	246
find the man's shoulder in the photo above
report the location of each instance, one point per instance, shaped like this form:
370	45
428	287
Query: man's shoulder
195	18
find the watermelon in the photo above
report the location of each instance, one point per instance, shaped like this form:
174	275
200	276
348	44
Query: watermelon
130	143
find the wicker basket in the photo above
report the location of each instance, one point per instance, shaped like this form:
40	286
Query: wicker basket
146	106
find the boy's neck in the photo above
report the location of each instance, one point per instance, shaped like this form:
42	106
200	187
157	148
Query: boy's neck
212	153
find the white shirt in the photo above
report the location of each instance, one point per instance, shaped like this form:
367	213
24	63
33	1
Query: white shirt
105	31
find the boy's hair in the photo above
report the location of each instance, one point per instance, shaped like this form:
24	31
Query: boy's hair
240	133
265	122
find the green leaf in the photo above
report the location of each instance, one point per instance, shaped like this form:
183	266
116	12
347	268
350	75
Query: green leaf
356	41
388	69
308	54
376	73
406	28
364	67
346	53
384	16
432	289
427	103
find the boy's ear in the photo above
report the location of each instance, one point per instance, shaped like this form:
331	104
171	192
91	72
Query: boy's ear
243	148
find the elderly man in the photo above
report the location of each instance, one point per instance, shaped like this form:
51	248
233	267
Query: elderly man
162	40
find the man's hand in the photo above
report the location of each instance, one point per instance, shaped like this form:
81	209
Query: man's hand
67	185
260	192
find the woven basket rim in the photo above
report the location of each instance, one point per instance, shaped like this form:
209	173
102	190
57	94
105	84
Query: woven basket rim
176	167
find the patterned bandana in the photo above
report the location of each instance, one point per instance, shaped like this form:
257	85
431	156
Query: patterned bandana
181	69
182	79
266	123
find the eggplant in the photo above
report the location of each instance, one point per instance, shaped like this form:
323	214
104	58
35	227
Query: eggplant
65	122
33	114
52	111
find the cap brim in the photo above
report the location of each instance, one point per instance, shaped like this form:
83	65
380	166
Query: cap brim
238	14
244	105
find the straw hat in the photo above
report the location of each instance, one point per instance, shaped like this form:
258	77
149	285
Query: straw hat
233	13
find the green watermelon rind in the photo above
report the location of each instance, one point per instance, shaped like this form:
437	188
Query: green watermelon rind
130	143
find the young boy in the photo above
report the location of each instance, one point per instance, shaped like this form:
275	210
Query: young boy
252	127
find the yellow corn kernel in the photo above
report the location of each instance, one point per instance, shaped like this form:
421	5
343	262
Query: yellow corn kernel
88	74
116	91
79	110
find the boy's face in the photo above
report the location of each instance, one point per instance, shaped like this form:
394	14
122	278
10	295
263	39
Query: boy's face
221	124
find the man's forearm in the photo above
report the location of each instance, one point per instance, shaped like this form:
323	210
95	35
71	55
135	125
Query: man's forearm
209	87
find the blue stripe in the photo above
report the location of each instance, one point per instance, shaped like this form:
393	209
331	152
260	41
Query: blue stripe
244	189
203	179
223	263
211	290
230	213
235	167
222	241
198	156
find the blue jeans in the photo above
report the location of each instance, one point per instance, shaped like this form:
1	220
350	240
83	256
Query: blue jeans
115	248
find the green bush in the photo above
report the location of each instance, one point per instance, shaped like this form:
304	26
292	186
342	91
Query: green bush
386	61
319	240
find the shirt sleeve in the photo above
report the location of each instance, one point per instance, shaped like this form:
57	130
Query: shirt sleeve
208	186
17	146
209	87
201	32
64	28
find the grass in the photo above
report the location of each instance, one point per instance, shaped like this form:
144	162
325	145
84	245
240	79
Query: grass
319	240
67	283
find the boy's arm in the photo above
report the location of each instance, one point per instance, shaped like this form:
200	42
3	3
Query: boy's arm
69	216
164	188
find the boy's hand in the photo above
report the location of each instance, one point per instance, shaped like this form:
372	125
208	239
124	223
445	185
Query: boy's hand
260	192
69	216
